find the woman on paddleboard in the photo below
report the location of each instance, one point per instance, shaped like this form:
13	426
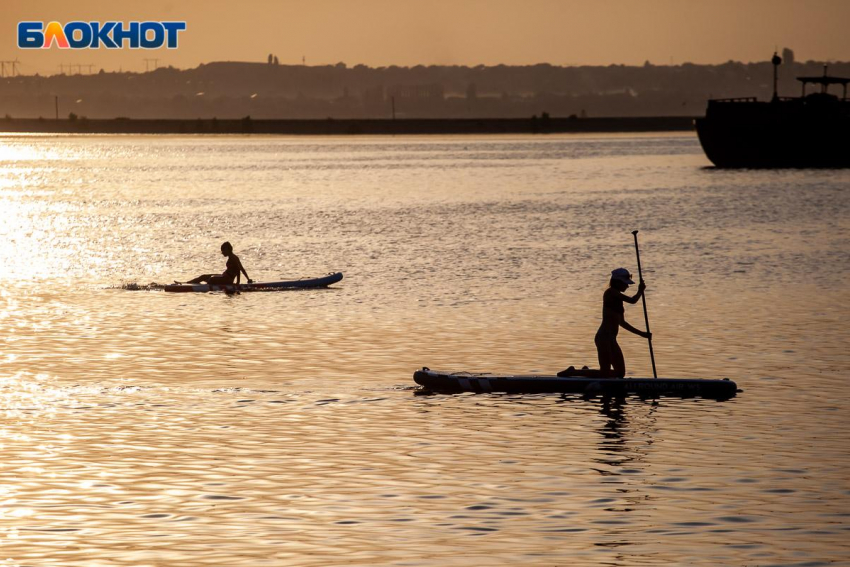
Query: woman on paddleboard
611	361
232	271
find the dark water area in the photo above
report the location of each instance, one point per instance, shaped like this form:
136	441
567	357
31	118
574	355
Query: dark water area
146	428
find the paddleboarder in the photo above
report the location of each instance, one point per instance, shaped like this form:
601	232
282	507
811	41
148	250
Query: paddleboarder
233	270
611	361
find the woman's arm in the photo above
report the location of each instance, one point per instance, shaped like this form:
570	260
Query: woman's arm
636	297
242	269
631	329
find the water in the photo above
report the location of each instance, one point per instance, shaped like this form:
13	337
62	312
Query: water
145	428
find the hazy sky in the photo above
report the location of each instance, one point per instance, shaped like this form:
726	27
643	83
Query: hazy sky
462	32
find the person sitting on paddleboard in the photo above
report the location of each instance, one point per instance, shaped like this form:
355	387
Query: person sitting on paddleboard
611	361
232	272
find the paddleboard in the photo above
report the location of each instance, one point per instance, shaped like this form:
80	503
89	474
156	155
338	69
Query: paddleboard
257	286
452	382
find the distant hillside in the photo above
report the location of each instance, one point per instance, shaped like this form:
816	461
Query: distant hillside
261	90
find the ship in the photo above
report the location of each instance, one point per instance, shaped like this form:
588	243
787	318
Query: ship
809	131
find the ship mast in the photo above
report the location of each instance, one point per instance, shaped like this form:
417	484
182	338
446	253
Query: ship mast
777	60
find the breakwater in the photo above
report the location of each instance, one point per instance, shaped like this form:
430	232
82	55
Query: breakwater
330	126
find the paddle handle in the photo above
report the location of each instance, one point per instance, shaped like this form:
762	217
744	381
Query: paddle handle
645	313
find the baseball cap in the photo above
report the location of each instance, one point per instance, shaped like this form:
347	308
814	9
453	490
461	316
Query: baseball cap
623	275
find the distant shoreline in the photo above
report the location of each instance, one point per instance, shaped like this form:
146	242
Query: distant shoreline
313	127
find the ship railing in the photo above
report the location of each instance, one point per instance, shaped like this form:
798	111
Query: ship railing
737	99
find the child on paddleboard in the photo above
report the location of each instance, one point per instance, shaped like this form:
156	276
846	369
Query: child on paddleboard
611	361
232	271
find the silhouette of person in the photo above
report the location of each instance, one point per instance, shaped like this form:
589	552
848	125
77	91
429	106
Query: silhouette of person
611	361
232	271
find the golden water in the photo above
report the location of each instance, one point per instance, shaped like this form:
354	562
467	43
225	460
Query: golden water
145	428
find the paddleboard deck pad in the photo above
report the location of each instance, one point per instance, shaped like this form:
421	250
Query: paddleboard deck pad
453	382
257	286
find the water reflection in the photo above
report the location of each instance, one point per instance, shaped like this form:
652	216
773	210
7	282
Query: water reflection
625	445
613	434
629	442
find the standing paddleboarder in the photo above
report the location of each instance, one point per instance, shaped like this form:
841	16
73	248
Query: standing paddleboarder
232	271
611	361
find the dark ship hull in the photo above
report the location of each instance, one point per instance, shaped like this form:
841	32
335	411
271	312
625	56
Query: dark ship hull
800	132
806	131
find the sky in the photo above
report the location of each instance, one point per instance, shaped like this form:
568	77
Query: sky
445	32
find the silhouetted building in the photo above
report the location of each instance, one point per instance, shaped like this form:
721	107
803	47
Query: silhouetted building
431	92
374	103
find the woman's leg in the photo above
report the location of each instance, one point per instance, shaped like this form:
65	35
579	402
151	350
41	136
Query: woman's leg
603	352
201	279
606	358
617	360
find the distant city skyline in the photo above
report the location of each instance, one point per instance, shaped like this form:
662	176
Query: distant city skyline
439	32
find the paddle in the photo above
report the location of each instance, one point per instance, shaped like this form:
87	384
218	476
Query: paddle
645	314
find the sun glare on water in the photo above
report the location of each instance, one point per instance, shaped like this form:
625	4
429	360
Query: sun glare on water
32	228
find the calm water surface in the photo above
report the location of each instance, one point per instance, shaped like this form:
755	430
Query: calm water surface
144	428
